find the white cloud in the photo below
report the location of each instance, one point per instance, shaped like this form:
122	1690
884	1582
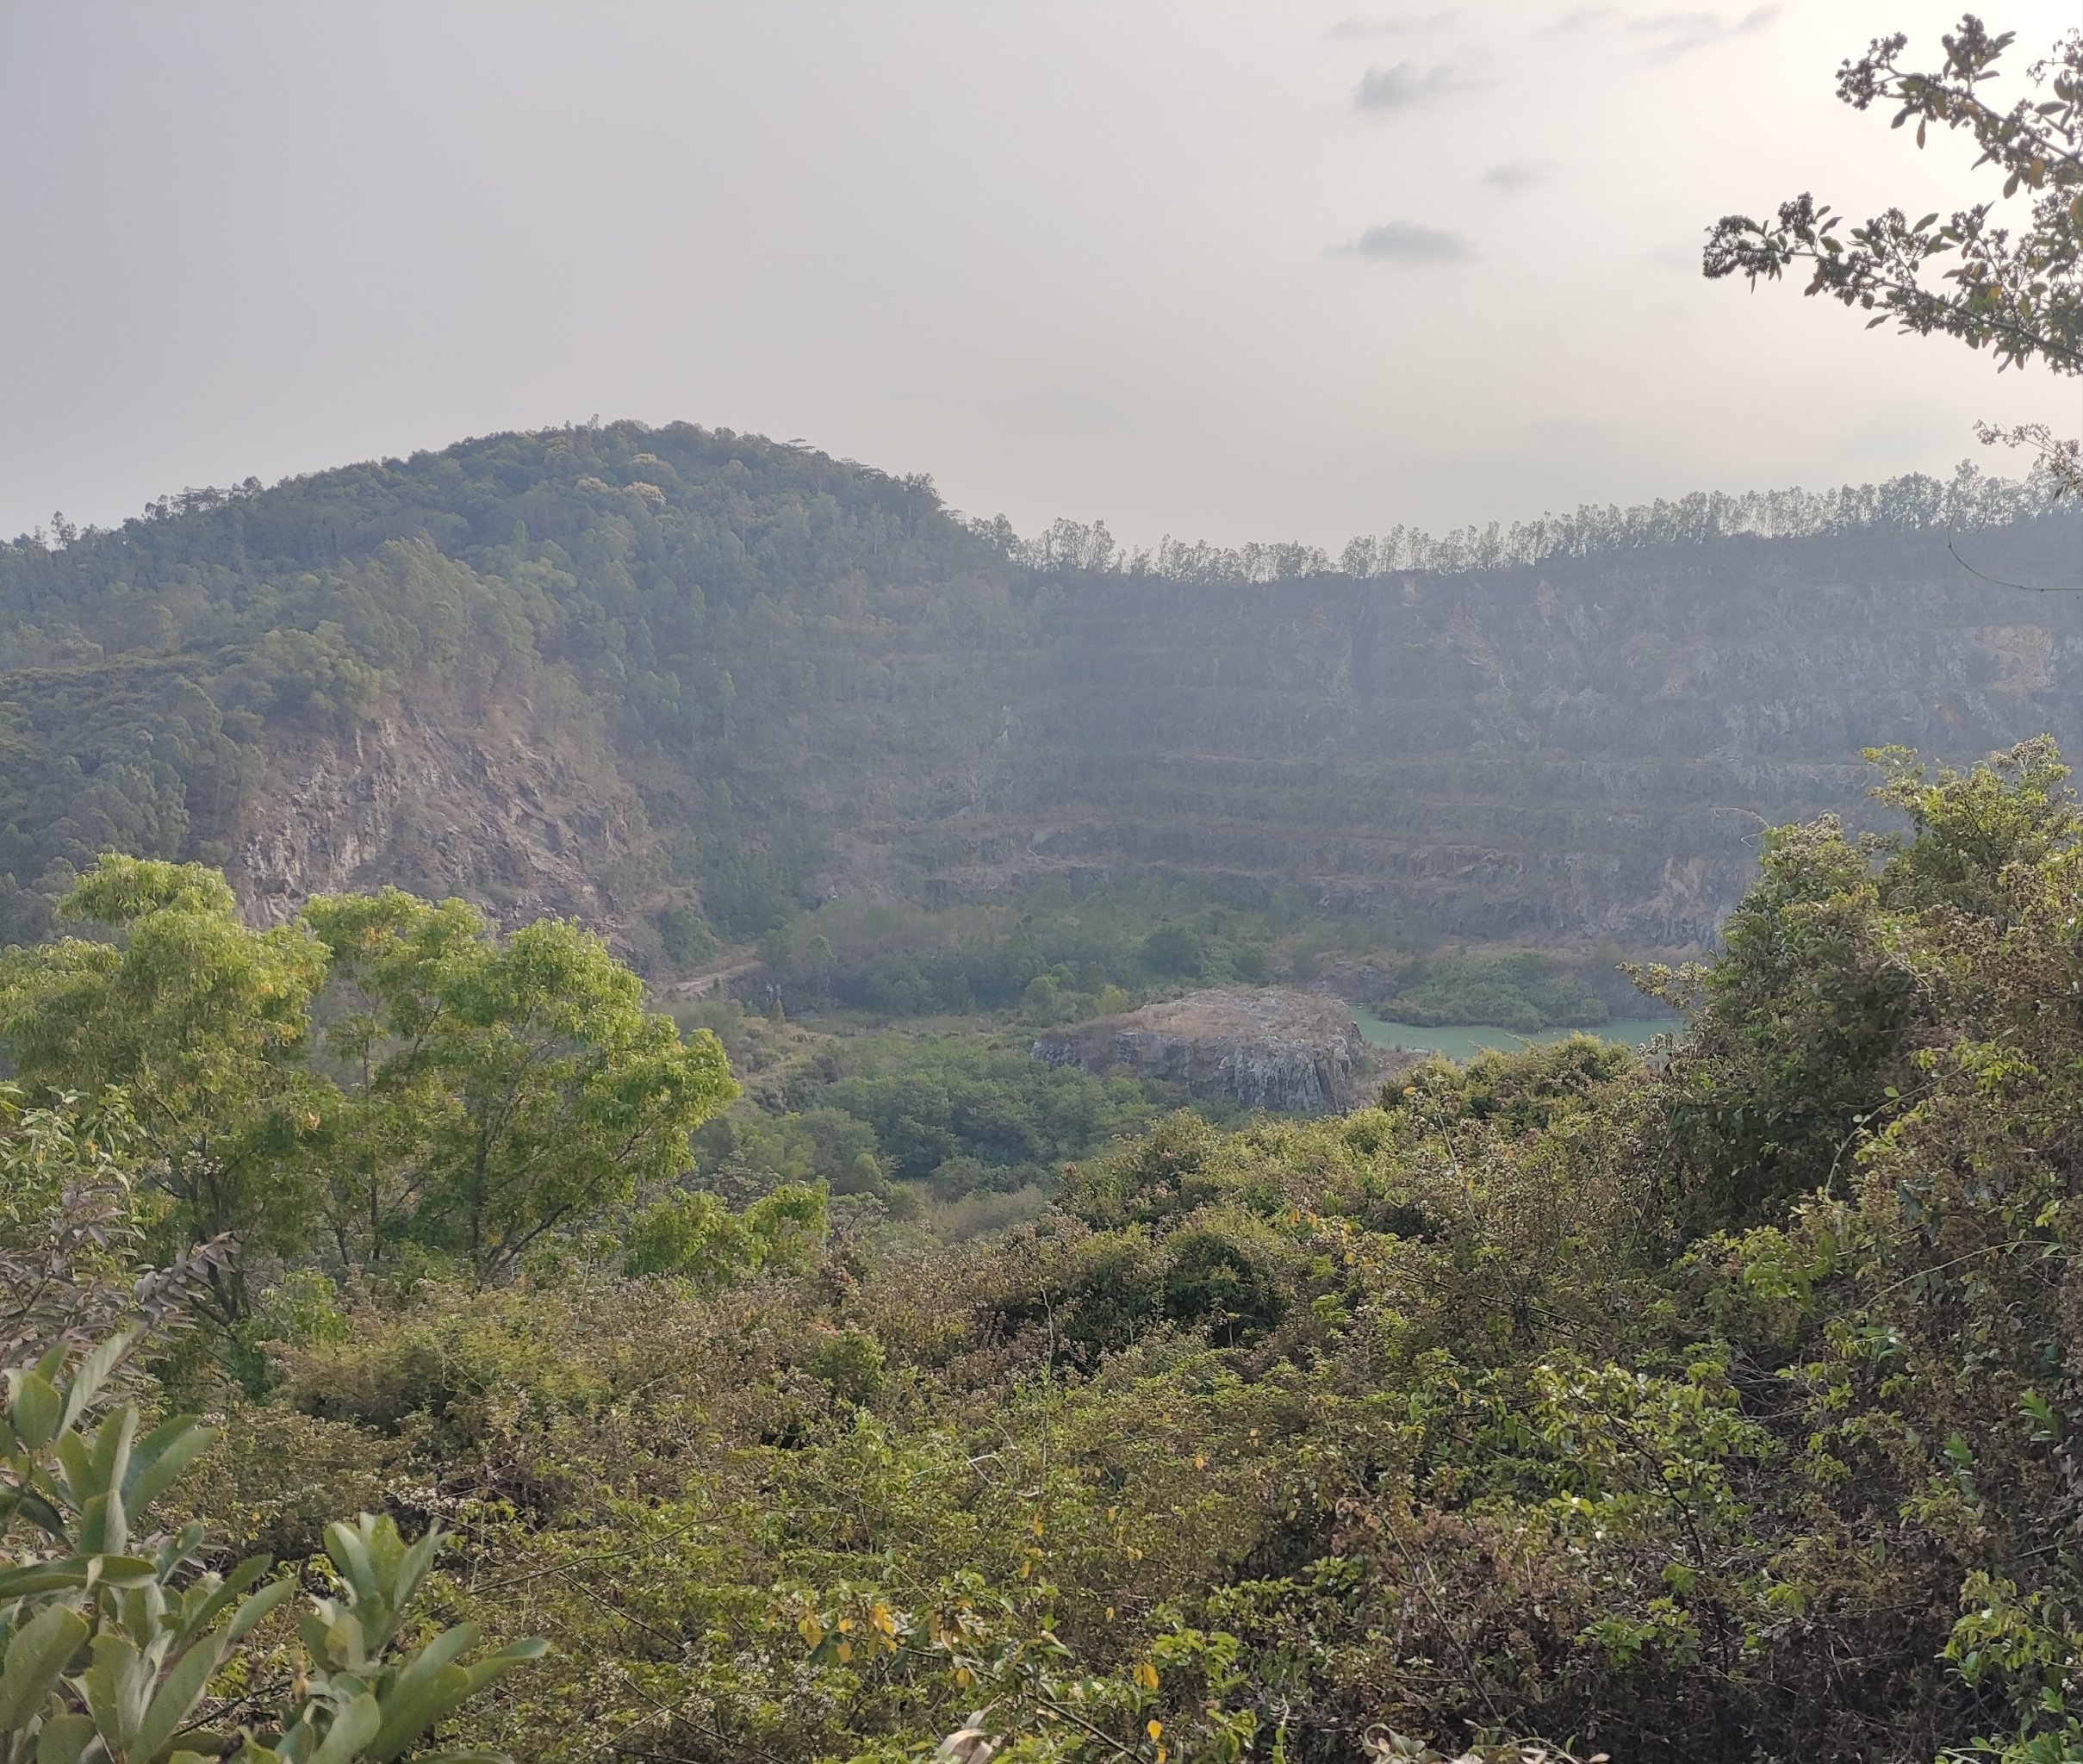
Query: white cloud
1665	36
1389	24
1670	34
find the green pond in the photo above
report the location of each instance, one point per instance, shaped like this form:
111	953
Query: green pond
1465	1040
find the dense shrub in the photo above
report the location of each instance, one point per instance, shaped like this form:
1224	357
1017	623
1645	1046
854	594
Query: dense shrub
1526	991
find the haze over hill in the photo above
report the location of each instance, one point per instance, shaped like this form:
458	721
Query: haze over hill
636	674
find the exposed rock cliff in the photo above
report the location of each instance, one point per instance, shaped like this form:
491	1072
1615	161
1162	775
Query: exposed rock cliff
519	824
1297	1053
816	681
1578	751
1582	749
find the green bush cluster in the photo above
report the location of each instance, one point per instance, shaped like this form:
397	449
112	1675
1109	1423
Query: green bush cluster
382	1077
1522	990
951	1113
1050	953
121	1639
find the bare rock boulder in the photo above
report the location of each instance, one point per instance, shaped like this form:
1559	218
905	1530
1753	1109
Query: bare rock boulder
1265	1047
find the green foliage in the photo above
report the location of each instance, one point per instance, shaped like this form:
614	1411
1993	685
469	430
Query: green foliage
1971	827
1835	968
749	893
946	1115
1566	1393
1524	991
115	1636
943	1109
694	1236
1172	951
1525	1091
507	1086
684	937
1118	941
74	1215
472	1092
119	1643
1427	1385
202	1021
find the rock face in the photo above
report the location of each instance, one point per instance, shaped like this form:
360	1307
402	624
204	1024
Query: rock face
1579	750
522	826
1296	1052
1585	750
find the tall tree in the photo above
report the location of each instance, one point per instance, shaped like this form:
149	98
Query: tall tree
202	1021
506	1085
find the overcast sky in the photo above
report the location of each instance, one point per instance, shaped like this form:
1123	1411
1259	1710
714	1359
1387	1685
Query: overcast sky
1221	269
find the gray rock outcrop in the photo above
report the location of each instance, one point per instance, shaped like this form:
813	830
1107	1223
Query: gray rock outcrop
517	820
1295	1052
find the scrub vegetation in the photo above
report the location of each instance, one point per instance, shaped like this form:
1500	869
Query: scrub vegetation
1715	1408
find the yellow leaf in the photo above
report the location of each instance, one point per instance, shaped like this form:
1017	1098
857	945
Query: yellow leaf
1154	1729
1146	1675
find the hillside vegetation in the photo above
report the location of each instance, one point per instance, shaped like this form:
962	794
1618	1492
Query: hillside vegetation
1718	1408
685	683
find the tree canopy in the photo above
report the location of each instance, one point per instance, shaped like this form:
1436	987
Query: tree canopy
468	1093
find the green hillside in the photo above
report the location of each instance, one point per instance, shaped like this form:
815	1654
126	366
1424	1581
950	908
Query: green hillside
686	683
1715	1405
636	600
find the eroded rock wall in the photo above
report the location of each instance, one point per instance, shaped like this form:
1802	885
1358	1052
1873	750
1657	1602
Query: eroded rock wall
1582	751
438	802
1579	751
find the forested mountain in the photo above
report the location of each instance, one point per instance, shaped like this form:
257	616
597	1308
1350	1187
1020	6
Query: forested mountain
678	681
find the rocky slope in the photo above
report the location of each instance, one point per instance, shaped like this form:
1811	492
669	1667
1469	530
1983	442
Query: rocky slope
431	803
1265	1047
1584	749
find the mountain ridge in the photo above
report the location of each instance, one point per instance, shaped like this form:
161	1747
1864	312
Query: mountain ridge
680	682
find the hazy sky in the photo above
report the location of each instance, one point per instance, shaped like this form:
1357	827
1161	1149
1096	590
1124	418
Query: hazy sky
1221	268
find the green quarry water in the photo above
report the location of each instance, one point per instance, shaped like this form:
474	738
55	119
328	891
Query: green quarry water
1466	1040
